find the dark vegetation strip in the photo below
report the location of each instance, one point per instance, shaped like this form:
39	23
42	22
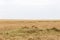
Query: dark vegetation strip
29	30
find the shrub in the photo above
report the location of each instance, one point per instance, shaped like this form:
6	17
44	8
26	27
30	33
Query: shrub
55	29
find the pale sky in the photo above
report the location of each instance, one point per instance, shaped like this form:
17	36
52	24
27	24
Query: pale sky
29	9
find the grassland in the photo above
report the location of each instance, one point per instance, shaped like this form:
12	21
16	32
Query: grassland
29	30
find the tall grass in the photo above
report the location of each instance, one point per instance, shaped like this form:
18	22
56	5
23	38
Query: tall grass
25	32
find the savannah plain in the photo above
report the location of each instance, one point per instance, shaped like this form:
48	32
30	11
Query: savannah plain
29	30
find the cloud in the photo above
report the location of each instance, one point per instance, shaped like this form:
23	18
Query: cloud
32	2
30	9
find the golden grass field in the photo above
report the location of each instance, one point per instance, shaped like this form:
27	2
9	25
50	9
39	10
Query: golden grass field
29	30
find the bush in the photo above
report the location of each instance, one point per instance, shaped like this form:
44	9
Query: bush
55	29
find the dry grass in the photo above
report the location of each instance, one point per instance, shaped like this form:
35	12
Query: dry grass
29	30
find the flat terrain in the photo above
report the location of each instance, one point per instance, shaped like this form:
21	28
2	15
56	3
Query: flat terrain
17	24
29	30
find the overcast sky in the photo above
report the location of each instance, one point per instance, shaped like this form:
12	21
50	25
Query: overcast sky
29	9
